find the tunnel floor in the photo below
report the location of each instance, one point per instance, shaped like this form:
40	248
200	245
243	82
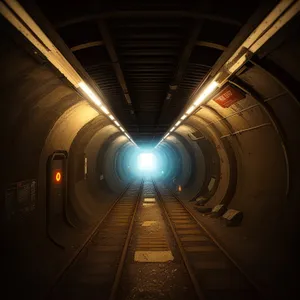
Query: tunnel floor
150	247
154	268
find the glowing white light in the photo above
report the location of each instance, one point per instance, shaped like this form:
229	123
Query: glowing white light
207	91
122	128
172	129
117	123
146	162
178	122
111	117
190	109
183	117
89	93
104	109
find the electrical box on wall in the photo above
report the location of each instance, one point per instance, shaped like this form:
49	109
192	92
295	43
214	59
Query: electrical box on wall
56	193
20	198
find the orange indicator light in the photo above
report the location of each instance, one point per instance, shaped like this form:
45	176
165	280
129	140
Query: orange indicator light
57	176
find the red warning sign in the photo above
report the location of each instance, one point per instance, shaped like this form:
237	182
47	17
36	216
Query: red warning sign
228	96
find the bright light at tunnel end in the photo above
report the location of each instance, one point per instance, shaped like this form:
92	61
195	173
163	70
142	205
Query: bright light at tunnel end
146	162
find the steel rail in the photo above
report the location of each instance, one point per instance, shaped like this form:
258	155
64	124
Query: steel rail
254	285
117	279
192	275
74	258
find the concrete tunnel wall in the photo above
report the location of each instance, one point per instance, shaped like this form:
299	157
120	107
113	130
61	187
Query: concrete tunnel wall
254	171
257	143
41	114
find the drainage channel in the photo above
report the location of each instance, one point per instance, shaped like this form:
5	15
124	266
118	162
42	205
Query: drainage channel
154	268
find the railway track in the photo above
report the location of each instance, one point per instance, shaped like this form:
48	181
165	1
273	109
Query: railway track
213	274
154	268
94	272
126	239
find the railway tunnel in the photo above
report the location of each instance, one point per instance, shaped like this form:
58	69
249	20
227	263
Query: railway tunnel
106	105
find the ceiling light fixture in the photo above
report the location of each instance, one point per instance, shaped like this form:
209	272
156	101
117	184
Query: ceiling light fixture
17	16
282	13
86	89
190	109
207	91
104	109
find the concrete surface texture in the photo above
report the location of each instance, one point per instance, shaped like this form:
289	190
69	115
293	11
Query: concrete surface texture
245	156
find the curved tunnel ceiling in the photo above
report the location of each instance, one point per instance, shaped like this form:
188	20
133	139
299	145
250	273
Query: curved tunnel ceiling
244	156
148	58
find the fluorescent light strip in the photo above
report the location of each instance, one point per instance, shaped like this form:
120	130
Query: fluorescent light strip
122	128
39	40
117	123
190	109
83	86
104	109
207	91
276	19
60	64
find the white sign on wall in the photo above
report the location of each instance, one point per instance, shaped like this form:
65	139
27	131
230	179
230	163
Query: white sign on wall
85	167
211	183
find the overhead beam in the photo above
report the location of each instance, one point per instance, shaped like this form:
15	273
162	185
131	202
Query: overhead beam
149	14
211	45
182	65
101	43
87	45
108	42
